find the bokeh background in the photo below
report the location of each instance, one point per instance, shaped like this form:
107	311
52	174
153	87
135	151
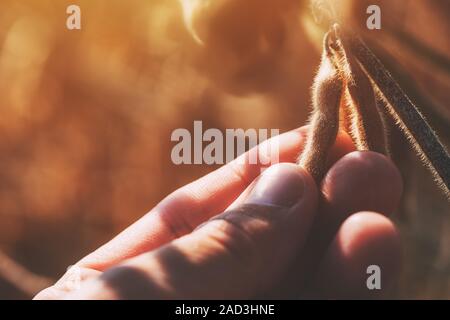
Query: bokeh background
86	115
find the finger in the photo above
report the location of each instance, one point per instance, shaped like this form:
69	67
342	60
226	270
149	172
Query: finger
360	181
374	183
71	280
362	262
189	206
238	254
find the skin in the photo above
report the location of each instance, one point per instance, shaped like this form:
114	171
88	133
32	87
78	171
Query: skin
275	239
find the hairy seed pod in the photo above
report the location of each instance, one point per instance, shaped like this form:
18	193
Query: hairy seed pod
326	97
345	117
366	125
407	116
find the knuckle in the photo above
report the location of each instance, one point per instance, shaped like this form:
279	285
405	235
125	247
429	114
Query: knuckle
233	239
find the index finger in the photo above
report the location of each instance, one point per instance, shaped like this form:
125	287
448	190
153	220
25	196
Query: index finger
186	208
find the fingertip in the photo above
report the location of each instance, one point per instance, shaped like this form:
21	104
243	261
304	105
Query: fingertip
287	180
366	243
342	146
363	180
310	186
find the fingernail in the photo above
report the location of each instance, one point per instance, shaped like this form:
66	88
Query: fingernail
280	185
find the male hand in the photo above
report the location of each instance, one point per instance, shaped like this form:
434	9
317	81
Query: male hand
236	234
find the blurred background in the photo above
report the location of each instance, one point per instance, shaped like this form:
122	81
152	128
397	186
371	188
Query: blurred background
87	115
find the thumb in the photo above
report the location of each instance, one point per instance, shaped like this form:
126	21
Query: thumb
237	254
263	231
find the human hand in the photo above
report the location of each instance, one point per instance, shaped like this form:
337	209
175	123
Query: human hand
235	234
